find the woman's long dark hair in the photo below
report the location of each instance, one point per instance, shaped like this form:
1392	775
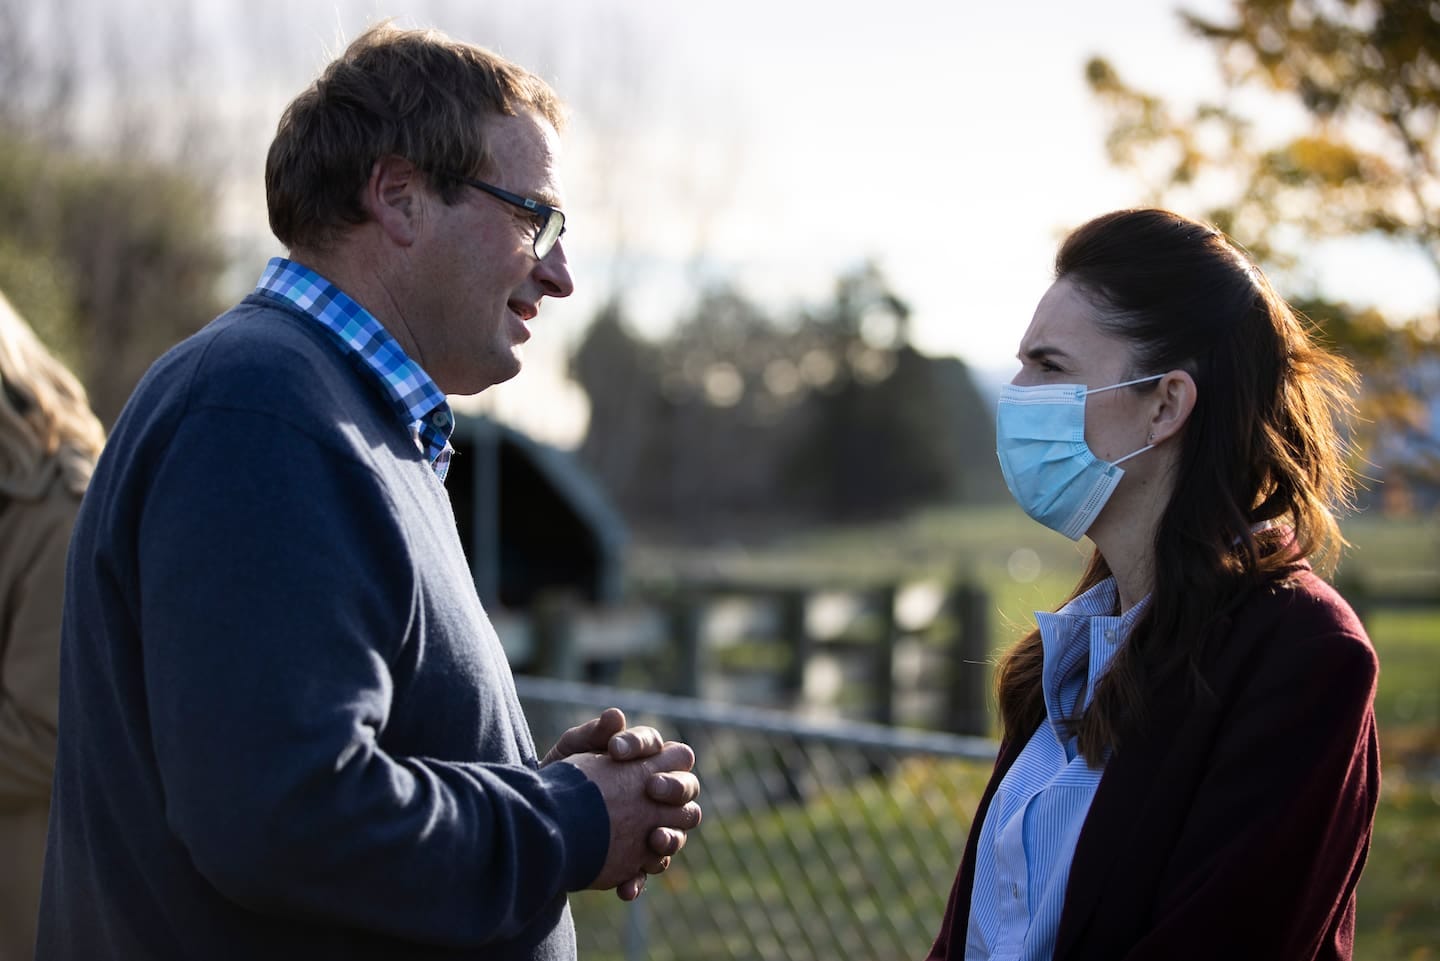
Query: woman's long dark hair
1264	443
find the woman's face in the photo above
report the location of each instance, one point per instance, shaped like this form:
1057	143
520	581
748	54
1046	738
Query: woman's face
1065	345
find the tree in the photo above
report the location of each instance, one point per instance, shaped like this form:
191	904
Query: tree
114	260
738	420
687	433
877	439
1361	80
108	244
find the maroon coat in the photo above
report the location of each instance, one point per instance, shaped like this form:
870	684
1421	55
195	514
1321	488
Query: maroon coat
1234	828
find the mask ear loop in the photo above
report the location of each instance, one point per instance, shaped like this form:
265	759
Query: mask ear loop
1128	383
1133	454
1149	444
1150	441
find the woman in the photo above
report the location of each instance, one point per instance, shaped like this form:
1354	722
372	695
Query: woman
49	440
1189	766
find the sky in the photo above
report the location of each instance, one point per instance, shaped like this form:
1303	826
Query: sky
773	144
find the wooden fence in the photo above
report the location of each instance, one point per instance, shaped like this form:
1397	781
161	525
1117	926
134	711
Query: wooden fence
1368	595
909	653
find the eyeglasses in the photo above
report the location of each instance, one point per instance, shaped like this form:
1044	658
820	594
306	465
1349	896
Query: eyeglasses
551	220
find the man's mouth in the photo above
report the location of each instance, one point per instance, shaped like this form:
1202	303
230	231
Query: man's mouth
525	311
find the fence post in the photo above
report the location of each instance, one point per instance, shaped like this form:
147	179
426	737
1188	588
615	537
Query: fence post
884	679
637	930
685	611
793	632
553	624
969	669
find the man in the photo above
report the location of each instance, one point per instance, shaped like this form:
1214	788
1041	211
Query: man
287	726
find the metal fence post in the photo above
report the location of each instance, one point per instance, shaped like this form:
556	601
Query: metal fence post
637	931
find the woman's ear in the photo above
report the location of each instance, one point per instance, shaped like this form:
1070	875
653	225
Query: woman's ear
1174	399
394	198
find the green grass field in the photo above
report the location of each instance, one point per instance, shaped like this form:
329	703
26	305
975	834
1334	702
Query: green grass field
1399	900
1025	568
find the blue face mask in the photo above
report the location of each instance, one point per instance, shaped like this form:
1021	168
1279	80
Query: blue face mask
1050	470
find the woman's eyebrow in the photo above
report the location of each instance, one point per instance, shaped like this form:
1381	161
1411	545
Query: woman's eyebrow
1042	352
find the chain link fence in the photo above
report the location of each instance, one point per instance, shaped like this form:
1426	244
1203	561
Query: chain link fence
821	839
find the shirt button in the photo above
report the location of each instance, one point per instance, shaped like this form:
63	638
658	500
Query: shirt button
441	419
1015	891
1110	635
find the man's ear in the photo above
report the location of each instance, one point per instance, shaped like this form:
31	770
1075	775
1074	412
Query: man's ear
394	197
1174	399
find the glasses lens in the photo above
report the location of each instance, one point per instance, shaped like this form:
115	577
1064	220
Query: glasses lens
549	233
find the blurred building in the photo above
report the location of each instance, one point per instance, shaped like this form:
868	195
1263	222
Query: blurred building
531	519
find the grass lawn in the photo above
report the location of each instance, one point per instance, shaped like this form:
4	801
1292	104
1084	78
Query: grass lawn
1399	899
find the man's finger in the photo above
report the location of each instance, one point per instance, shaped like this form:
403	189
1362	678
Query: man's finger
636	742
610	722
674	756
667	842
683	818
592	737
631	889
673	787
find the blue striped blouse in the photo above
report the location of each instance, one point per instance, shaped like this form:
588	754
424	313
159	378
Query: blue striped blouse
1028	838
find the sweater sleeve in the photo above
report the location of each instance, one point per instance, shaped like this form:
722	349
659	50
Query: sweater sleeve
1276	837
276	591
30	645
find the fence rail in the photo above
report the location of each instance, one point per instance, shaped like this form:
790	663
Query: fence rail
1367	600
896	652
822	839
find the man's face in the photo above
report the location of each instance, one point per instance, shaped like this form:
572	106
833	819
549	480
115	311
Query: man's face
476	283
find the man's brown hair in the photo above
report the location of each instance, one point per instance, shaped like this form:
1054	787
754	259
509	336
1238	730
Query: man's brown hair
415	94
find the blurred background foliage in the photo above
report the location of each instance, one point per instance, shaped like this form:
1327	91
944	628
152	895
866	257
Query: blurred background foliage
738	421
1361	82
108	242
111	261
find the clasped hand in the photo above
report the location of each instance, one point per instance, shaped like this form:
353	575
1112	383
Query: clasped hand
649	789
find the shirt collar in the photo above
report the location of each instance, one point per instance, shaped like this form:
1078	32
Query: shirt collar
1085	632
416	399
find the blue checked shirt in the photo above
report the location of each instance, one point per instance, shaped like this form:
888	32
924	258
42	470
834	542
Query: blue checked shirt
1028	839
418	402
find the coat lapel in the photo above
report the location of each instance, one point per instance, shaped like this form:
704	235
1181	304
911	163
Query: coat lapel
1141	793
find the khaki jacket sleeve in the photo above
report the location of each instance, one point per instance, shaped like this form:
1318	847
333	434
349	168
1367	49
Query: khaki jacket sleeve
32	563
